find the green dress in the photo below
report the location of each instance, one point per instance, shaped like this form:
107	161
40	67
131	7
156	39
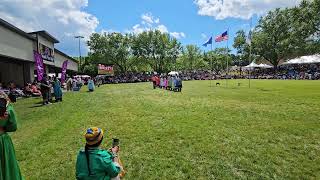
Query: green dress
8	163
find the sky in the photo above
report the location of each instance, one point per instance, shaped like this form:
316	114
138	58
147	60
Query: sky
190	21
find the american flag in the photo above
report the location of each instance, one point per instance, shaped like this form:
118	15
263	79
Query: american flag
222	37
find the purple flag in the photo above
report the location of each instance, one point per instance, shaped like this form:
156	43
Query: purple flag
64	71
39	65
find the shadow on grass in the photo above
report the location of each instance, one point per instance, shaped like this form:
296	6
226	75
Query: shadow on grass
39	104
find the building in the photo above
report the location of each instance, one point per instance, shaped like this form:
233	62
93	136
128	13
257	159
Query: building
16	54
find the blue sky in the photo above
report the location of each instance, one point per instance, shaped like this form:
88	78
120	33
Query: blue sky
191	21
177	16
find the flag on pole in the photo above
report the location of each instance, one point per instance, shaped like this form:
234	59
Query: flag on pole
64	71
39	65
222	37
208	42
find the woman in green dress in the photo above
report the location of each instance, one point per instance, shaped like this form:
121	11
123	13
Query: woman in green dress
9	168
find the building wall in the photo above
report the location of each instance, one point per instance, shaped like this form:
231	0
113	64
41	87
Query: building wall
14	45
47	43
11	72
60	58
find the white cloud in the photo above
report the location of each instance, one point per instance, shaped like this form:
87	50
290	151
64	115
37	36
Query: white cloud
244	9
149	22
148	18
162	28
178	35
62	18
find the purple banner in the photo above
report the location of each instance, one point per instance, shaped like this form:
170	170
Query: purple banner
64	71
39	65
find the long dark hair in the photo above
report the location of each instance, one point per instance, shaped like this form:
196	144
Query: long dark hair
86	150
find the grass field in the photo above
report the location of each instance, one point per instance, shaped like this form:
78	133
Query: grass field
271	131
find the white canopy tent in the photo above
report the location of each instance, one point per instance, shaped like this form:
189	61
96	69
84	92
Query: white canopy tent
304	60
265	66
254	65
173	73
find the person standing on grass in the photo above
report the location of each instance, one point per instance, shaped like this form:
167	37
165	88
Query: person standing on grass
157	81
95	163
169	83
45	89
91	85
51	93
172	83
9	167
57	89
165	82
154	83
69	84
161	82
179	84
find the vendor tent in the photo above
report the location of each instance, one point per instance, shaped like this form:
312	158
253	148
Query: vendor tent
265	66
173	73
252	65
304	60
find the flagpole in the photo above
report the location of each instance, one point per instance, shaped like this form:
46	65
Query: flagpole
250	51
211	63
227	53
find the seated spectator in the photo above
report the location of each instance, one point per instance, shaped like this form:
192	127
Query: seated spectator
94	162
27	90
35	90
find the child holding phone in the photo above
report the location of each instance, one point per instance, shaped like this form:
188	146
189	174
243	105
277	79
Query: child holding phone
94	162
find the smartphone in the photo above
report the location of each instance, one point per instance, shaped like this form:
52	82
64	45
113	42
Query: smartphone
3	106
115	142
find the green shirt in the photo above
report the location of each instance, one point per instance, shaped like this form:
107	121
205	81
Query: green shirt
101	165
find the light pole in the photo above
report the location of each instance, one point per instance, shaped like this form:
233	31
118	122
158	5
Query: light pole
79	37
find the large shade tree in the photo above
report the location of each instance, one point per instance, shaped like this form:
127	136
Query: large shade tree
191	58
157	49
112	48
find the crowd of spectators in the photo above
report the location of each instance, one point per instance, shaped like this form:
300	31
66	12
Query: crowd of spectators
297	72
306	72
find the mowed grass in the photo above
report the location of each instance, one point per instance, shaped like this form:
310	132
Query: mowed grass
270	131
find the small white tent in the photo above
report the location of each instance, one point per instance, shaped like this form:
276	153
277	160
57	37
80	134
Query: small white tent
173	73
304	60
252	65
265	66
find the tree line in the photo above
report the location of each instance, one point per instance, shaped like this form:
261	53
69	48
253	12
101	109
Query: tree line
283	34
279	35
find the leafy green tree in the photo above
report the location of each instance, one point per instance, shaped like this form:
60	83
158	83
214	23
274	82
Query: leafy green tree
270	38
113	48
157	49
191	58
217	59
287	33
243	49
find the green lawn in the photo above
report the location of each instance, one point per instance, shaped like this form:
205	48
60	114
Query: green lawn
271	131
